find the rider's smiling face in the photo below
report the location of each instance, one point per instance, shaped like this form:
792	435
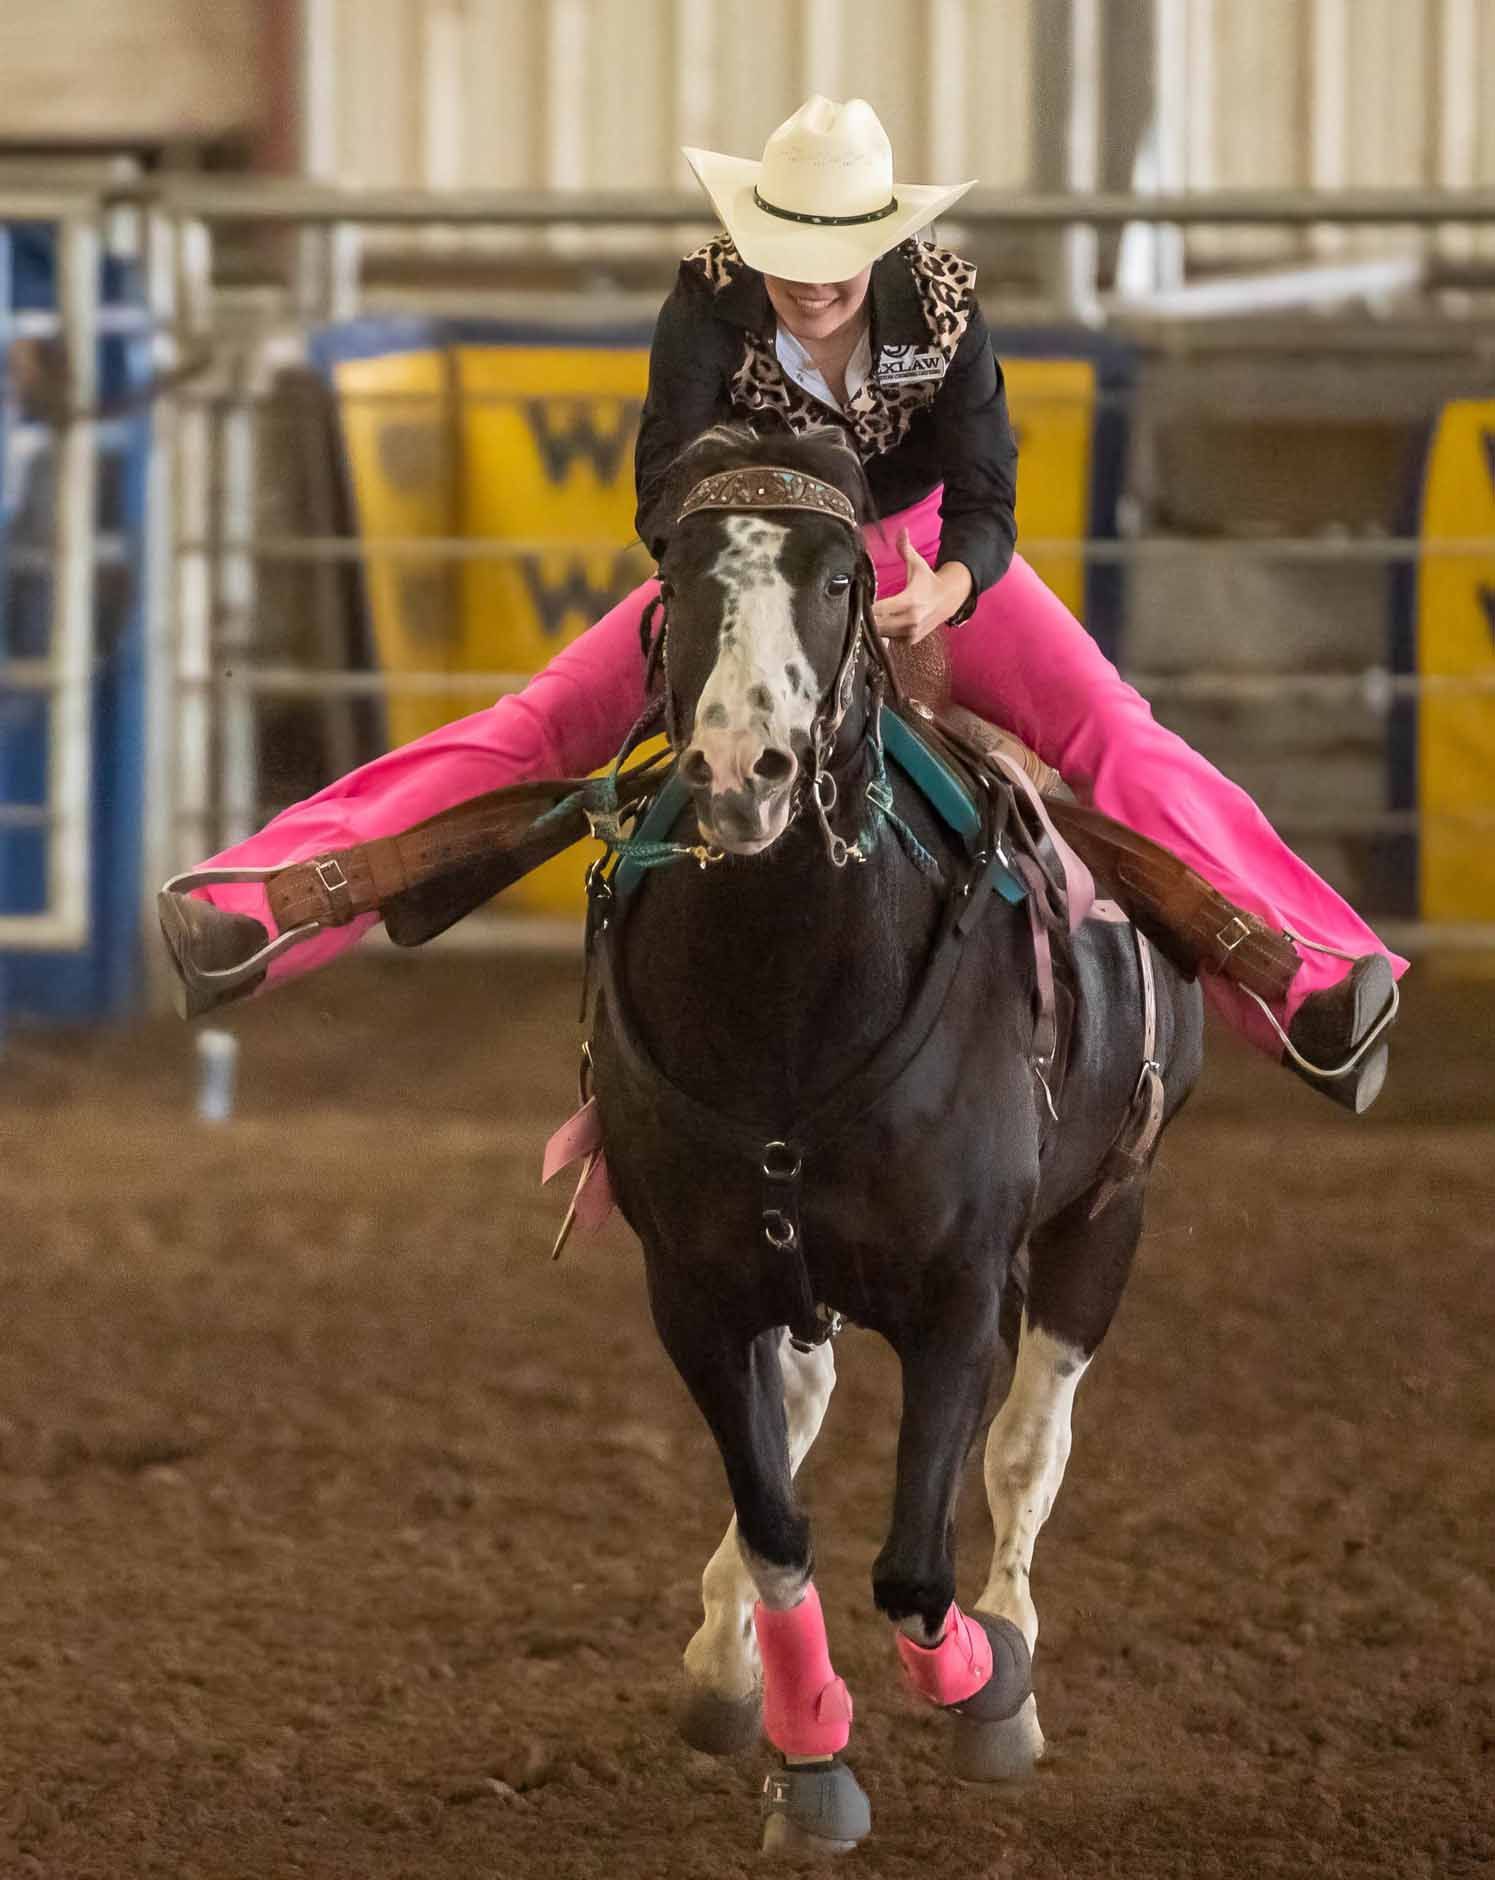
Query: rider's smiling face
818	310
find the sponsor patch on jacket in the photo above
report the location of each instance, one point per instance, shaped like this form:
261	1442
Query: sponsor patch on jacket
905	365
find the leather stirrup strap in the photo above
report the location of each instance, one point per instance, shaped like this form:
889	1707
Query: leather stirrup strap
1132	1150
1079	883
338	886
1046	1017
1190	921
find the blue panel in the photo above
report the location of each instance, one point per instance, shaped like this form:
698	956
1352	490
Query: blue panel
333	346
105	979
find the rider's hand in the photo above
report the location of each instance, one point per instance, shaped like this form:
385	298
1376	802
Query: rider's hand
927	602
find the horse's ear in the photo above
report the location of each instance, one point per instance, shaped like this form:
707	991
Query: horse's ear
720	448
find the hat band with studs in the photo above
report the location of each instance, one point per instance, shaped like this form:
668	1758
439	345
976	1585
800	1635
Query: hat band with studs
827	221
766	486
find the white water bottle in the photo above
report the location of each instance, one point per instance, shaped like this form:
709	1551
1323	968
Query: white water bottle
217	1068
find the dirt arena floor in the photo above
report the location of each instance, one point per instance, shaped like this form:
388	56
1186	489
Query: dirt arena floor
343	1536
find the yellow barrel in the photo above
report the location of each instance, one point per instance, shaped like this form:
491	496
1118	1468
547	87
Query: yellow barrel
546	446
1456	639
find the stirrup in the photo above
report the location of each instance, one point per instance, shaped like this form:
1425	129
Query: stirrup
1357	1057
227	978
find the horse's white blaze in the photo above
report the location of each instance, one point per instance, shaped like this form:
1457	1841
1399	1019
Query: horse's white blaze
1026	1450
751	699
723	1655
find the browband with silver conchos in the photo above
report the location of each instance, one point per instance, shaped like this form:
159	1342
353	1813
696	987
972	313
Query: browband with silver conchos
767	486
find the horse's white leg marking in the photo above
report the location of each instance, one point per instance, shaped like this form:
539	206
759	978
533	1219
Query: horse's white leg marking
778	1588
914	1627
723	1655
1026	1450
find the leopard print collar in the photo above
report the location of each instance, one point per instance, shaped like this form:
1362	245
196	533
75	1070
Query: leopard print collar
916	333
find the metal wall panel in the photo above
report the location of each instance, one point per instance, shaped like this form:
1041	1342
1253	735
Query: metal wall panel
1391	58
1247	112
600	92
376	86
1473	144
592	93
997	130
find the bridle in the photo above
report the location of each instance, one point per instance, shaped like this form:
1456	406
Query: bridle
776	487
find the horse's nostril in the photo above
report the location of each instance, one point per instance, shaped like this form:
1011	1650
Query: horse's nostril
695	769
774	767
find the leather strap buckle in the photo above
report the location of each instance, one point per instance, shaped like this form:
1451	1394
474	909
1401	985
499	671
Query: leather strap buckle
1227	939
329	872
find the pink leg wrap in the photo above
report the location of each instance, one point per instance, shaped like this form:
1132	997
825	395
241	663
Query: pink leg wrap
806	1707
953	1670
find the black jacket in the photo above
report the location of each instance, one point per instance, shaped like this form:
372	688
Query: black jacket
934	411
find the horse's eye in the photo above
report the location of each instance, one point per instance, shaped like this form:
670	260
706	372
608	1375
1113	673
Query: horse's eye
838	584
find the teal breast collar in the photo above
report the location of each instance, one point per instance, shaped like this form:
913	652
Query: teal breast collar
932	777
948	797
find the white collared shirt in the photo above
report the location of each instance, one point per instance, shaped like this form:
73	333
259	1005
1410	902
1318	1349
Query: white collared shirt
800	367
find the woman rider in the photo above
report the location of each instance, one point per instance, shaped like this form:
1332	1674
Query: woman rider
818	304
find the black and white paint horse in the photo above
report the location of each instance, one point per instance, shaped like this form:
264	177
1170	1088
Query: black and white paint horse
741	1003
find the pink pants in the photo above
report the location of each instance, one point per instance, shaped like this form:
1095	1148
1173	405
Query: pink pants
1022	660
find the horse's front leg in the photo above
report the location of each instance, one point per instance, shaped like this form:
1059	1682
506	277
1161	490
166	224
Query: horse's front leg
977	1665
1077	1272
814	1803
723	1712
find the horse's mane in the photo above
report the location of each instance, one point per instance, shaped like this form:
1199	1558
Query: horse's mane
823	451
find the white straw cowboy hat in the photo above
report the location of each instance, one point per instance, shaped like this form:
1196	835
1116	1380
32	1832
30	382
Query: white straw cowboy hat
822	205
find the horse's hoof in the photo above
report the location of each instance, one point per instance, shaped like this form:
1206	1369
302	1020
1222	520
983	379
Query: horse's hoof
810	1812
1011	1680
720	1726
1003	1750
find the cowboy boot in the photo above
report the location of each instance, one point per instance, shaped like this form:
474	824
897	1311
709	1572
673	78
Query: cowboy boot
1331	1026
203	940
